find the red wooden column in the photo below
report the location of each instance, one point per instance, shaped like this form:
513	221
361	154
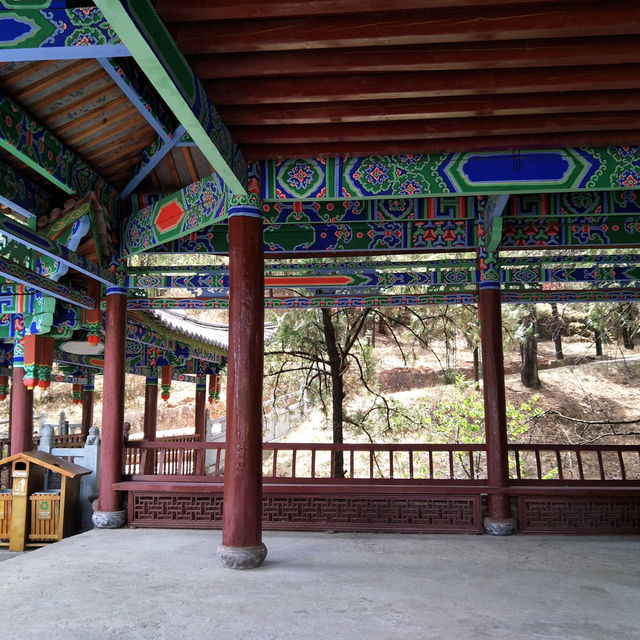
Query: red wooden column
110	514
201	407
499	521
150	408
88	396
242	546
21	430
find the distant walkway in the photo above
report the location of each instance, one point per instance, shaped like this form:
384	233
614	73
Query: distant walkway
164	584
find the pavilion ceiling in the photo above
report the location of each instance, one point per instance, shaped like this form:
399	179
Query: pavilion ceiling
297	79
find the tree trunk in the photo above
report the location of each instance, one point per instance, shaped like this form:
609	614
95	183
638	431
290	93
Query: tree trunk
598	340
337	389
557	326
476	364
627	338
529	351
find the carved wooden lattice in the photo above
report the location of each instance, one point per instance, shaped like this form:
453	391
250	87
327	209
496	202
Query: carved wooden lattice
198	511
313	513
589	515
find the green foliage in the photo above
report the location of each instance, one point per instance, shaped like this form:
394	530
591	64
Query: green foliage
458	417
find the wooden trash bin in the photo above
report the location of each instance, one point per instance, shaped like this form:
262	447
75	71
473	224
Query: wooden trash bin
31	516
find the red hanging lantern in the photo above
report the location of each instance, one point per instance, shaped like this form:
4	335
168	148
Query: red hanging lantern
4	387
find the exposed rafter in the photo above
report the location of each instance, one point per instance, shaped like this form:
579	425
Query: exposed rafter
408	28
151	156
26	139
157	55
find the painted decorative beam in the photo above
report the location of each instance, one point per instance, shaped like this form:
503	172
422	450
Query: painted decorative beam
22	234
474	173
20	194
26	139
151	156
55	31
144	34
22	275
493	220
184	212
318	302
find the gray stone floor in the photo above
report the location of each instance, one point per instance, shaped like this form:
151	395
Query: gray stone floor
156	584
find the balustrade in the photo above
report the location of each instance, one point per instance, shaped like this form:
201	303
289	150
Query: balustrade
432	463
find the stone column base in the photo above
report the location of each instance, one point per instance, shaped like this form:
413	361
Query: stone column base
500	526
109	519
242	557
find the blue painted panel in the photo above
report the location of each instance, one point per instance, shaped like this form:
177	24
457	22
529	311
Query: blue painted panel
506	167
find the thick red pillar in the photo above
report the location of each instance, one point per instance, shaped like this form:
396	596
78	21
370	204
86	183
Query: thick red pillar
150	408
110	514
242	546
21	429
88	397
201	407
499	521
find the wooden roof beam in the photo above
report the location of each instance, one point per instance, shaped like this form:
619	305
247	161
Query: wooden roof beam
409	28
425	84
156	53
429	57
438	129
431	108
257	152
201	10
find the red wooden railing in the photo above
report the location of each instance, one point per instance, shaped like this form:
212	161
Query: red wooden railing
435	463
587	464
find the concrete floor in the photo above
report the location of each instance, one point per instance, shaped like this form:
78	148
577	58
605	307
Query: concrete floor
156	584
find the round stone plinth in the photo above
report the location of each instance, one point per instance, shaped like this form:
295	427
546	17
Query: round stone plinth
500	526
109	519
242	557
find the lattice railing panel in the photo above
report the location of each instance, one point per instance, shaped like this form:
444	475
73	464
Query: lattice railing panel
579	515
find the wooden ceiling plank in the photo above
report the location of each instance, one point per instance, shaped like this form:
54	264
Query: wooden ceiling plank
437	129
110	128
174	171
430	108
76	72
201	10
459	56
104	108
186	152
422	85
447	145
409	28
